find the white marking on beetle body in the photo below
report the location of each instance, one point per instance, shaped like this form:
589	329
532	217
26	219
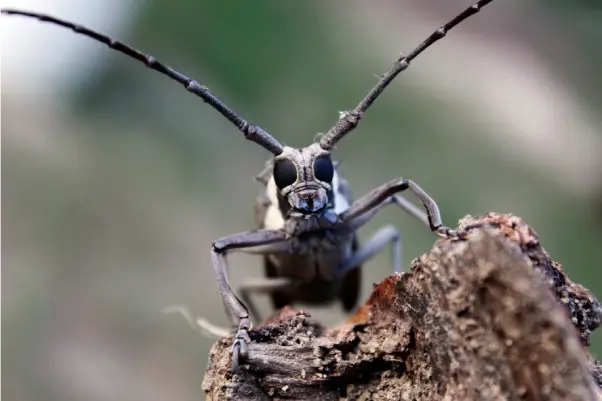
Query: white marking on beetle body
340	203
273	218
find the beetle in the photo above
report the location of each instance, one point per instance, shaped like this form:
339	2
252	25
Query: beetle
306	217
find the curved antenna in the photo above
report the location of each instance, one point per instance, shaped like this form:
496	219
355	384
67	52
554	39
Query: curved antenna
349	120
251	132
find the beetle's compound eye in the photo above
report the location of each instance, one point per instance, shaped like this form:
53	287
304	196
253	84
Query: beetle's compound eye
323	169
285	173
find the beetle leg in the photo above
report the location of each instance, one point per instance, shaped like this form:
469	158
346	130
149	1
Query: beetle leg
381	238
269	241
383	193
261	286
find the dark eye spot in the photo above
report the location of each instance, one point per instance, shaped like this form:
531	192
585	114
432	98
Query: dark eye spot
285	173
323	169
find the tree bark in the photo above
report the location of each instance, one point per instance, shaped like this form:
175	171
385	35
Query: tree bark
492	317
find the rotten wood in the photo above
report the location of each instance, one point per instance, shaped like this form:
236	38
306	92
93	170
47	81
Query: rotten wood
492	317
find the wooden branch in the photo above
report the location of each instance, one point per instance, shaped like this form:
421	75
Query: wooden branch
488	318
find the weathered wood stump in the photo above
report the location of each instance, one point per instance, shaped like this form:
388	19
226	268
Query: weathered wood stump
492	317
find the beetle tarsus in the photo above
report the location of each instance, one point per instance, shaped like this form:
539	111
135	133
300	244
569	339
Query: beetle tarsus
240	349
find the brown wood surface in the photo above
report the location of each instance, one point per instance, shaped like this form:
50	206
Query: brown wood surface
492	317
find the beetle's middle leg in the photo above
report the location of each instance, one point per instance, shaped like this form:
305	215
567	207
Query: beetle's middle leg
381	238
266	285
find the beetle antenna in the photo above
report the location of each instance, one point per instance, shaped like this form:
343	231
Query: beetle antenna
251	132
349	120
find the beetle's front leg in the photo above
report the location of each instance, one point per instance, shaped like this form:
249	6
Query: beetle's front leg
377	196
267	241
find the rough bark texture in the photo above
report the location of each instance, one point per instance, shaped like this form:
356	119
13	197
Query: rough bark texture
492	317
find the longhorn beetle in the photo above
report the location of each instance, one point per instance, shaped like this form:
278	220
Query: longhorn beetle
307	220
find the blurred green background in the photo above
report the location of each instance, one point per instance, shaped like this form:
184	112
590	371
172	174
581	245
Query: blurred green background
116	180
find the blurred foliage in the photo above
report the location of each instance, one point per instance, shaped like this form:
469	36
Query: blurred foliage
253	51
